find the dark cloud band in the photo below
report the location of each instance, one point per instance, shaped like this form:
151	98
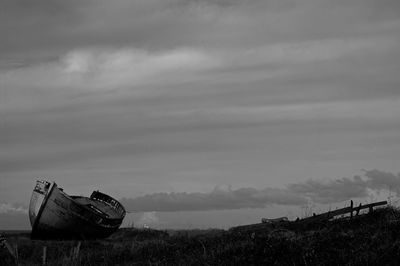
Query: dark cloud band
294	194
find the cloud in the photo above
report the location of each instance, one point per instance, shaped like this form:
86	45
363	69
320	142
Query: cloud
218	199
379	180
149	219
301	52
51	28
296	194
131	67
94	71
110	68
330	192
13	217
373	110
346	188
117	86
7	208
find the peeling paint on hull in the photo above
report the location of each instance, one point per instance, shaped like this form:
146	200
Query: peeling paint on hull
54	214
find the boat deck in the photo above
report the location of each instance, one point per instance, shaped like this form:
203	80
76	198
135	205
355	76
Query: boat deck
97	206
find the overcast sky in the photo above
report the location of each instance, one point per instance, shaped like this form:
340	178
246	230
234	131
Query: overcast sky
236	108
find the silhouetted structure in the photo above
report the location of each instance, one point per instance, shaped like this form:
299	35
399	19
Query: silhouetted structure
54	214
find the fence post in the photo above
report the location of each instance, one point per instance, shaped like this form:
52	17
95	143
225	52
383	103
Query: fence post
16	255
77	250
351	212
44	259
358	210
11	249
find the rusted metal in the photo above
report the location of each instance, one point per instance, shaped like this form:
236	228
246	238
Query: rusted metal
55	214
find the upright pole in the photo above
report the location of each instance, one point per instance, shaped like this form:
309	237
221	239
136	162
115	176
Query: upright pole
44	256
16	255
351	213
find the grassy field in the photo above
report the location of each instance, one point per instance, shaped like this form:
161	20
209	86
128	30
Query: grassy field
369	239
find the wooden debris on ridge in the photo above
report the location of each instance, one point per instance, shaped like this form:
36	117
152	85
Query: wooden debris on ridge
326	216
271	224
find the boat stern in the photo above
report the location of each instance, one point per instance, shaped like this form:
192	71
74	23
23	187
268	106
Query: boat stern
41	190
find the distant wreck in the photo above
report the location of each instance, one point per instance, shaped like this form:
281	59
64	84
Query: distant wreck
54	214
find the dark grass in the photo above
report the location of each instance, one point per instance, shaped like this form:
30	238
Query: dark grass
372	239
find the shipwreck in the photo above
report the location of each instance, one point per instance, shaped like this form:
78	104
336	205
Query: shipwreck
55	214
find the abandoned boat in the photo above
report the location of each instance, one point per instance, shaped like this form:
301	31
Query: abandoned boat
54	214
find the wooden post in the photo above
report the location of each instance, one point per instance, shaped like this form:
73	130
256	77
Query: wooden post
10	249
75	251
358	209
16	255
44	260
331	214
351	212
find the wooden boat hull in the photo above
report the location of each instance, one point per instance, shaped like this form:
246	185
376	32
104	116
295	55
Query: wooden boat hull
54	214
